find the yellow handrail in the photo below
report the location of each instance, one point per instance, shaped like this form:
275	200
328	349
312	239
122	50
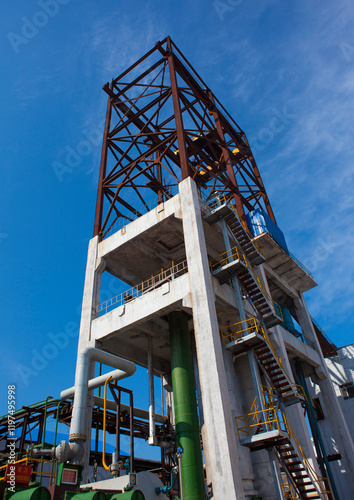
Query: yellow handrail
29	459
289	492
224	258
104	424
235	254
237	329
276	420
316	478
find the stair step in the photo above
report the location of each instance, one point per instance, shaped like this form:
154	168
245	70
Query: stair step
262	351
276	373
278	386
270	365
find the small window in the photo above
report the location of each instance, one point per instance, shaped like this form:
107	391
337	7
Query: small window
347	390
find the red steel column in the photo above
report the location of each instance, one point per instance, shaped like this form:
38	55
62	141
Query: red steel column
99	202
186	171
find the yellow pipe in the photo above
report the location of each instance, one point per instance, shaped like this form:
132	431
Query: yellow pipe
104	424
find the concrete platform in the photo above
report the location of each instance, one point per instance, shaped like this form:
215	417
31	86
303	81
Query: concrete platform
245	343
217	214
264	439
229	270
284	265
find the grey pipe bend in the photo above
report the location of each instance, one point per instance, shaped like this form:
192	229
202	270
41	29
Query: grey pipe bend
85	356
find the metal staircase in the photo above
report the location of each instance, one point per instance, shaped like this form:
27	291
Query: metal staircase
294	467
218	208
234	263
249	334
268	426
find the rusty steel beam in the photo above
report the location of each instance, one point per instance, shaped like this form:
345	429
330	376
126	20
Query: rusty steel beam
167	125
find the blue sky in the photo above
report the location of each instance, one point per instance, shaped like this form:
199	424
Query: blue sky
263	60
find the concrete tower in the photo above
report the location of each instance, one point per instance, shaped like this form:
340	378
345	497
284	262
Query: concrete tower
211	295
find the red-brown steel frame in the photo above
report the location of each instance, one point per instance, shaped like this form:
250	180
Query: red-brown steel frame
167	125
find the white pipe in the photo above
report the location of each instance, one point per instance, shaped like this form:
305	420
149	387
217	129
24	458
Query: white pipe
95	382
85	356
152	427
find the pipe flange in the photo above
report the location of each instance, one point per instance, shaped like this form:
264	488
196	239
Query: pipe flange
61	452
77	436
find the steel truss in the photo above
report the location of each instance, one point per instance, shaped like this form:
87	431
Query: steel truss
163	124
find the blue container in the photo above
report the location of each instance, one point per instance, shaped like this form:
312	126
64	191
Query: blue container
259	222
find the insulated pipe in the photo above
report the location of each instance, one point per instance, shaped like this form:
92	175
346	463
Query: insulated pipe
152	427
85	356
96	382
185	404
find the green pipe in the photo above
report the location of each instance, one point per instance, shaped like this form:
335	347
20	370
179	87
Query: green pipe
185	405
316	434
129	495
90	495
55	441
37	493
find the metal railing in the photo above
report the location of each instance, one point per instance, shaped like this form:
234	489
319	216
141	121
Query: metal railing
289	492
226	257
240	329
321	482
272	418
235	254
217	201
156	280
220	199
298	335
264	229
30	461
268	419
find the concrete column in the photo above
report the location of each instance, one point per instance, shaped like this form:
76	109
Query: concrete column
338	423
295	413
235	388
236	394
219	441
88	312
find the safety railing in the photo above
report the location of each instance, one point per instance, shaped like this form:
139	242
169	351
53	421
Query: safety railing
213	203
219	200
226	257
235	254
240	329
264	229
295	387
174	271
289	492
246	229
123	221
267	419
31	461
298	335
321	482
